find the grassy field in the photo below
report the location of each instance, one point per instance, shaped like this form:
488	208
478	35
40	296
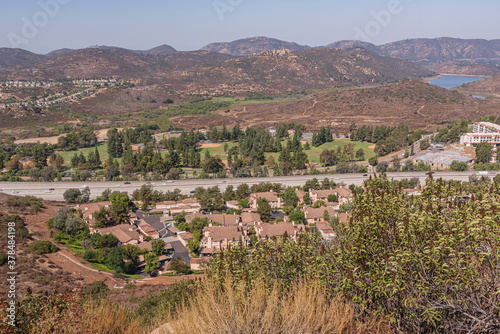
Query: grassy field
101	148
313	153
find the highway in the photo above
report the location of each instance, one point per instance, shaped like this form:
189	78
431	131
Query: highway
41	189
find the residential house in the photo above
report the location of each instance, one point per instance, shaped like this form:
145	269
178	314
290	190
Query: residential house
344	195
126	234
276	230
147	229
321	195
233	205
250	219
325	230
221	237
220	218
271	196
315	215
184	237
300	194
89	209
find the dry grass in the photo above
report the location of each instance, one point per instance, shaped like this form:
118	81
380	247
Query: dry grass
105	317
236	310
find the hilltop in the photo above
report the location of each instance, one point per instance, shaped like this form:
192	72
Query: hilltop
252	45
17	59
285	71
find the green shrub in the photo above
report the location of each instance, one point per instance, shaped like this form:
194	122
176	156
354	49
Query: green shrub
96	288
43	247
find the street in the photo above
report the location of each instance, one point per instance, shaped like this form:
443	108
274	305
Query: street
40	189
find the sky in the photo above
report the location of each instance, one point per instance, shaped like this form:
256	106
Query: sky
41	26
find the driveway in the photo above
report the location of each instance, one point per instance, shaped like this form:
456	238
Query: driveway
179	249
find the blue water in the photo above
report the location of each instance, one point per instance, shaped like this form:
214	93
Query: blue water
450	81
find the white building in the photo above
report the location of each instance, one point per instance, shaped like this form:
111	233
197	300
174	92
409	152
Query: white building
472	139
485	127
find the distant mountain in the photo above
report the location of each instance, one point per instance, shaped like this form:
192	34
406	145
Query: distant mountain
59	52
252	45
117	62
282	71
17	59
94	62
161	50
428	51
346	44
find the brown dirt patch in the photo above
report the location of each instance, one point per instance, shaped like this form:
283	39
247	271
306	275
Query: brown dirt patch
210	145
42	140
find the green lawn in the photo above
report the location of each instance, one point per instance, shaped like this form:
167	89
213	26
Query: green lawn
101	148
313	153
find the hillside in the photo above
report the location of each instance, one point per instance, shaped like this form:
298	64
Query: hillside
428	51
413	103
252	45
17	59
488	87
464	68
186	59
348	44
285	71
94	62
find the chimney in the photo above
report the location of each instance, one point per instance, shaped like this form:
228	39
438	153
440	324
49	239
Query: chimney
141	238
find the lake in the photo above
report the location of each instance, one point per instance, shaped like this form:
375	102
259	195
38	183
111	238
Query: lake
450	81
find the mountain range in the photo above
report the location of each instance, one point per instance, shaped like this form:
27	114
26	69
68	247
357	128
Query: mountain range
442	55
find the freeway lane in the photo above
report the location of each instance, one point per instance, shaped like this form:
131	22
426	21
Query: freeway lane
38	188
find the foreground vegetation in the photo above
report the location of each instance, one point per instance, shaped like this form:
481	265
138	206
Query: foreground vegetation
401	264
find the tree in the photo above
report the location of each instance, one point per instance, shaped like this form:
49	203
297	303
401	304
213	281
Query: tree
360	154
212	165
242	191
424	144
382	167
179	266
458	166
290	197
484	151
307	198
158	246
264	209
332	198
373	161
297	216
100	218
120	207
71	195
326	216
114	260
35	174
151	263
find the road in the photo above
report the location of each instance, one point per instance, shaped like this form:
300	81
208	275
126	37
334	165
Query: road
39	189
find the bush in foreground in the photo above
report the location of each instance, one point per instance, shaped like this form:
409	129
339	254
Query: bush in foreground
232	308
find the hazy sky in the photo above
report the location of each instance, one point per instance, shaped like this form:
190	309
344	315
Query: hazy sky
45	25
